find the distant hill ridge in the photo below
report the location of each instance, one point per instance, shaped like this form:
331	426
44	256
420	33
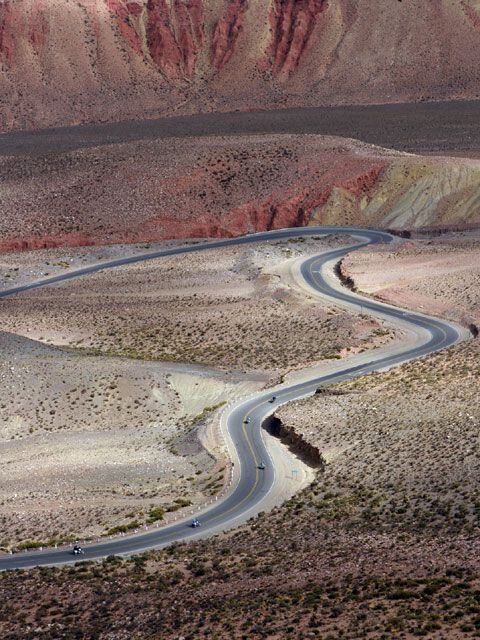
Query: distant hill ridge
66	61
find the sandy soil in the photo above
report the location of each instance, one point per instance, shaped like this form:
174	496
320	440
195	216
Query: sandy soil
90	442
439	275
223	309
18	268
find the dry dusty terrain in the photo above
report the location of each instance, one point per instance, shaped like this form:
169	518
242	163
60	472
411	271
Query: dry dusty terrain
438	275
384	544
64	62
222	308
401	449
89	443
24	267
99	432
213	186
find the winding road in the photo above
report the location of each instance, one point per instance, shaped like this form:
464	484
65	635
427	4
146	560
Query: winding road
252	485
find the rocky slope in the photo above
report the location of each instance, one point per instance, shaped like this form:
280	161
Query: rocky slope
67	61
217	187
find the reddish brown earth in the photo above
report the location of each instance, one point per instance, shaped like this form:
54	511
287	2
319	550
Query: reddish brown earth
174	35
215	187
292	23
184	188
227	30
97	60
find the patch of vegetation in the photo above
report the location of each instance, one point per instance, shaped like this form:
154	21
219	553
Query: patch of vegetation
201	416
156	514
179	503
30	544
123	528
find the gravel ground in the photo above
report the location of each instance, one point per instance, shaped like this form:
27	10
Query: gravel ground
223	309
439	275
94	442
100	415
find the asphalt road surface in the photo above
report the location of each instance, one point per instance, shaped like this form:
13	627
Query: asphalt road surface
253	484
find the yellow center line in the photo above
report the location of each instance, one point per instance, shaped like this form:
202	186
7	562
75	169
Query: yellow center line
257	475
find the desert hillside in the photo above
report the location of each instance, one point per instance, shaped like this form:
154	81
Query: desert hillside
221	187
71	61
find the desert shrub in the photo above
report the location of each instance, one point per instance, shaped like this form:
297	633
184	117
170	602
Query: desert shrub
123	528
156	514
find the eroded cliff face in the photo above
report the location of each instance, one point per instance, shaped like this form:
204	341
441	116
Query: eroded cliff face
150	190
292	23
128	15
226	32
70	61
310	454
175	35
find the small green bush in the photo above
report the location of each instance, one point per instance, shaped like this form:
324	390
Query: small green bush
123	528
156	514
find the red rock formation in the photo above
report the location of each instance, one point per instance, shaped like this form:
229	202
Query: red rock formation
47	242
297	210
472	14
292	23
7	42
273	214
63	63
190	26
161	41
226	32
180	213
38	28
127	15
175	35
363	184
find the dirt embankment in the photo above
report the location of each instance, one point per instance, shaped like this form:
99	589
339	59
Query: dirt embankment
439	274
294	441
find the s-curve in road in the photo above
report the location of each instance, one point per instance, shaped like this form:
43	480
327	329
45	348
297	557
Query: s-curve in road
254	477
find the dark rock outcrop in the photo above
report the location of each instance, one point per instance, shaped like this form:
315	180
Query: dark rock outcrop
295	442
